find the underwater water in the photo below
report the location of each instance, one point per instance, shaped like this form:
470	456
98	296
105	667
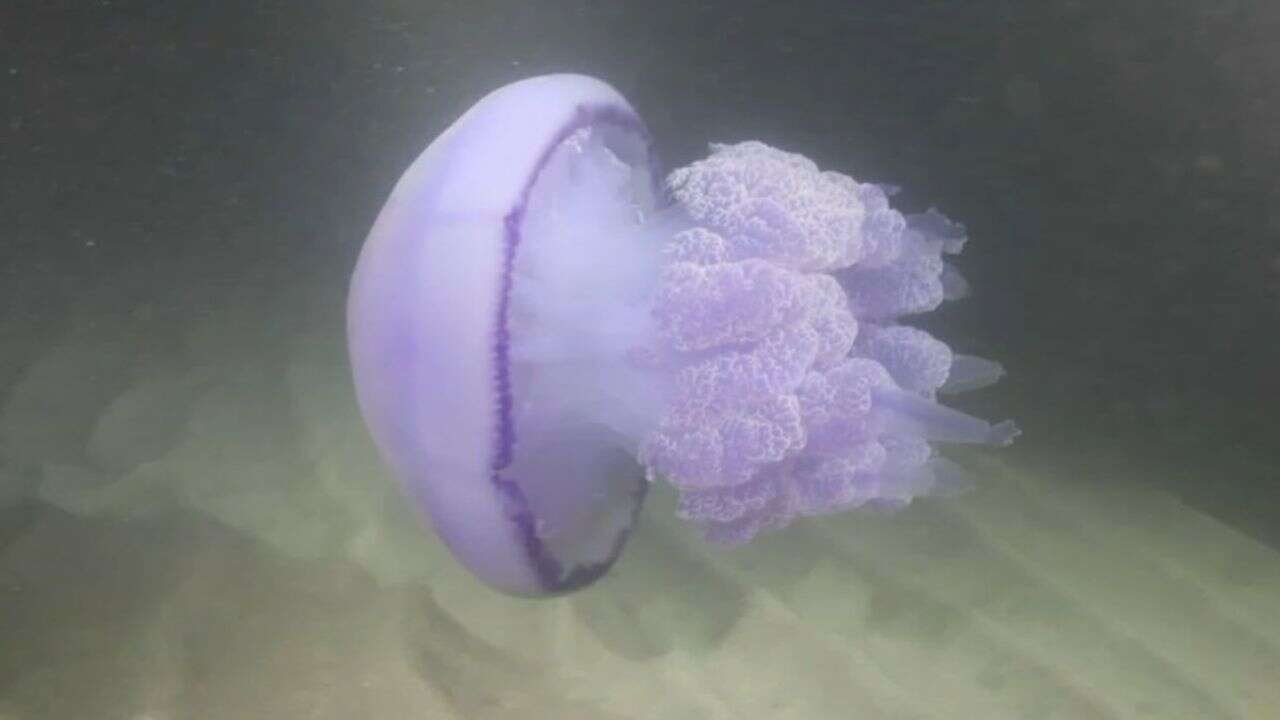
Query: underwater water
195	523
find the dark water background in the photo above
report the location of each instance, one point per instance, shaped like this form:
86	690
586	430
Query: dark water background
1116	162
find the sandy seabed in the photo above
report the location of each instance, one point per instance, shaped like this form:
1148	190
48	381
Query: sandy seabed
193	524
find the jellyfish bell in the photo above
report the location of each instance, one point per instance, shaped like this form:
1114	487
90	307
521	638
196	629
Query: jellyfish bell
537	330
431	312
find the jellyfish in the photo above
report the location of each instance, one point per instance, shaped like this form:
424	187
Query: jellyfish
540	327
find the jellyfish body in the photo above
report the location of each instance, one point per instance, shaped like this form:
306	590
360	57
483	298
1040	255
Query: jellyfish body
538	330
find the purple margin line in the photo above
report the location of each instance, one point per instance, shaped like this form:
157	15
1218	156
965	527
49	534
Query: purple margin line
549	570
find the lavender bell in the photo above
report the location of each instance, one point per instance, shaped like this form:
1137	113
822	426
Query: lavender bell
537	332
